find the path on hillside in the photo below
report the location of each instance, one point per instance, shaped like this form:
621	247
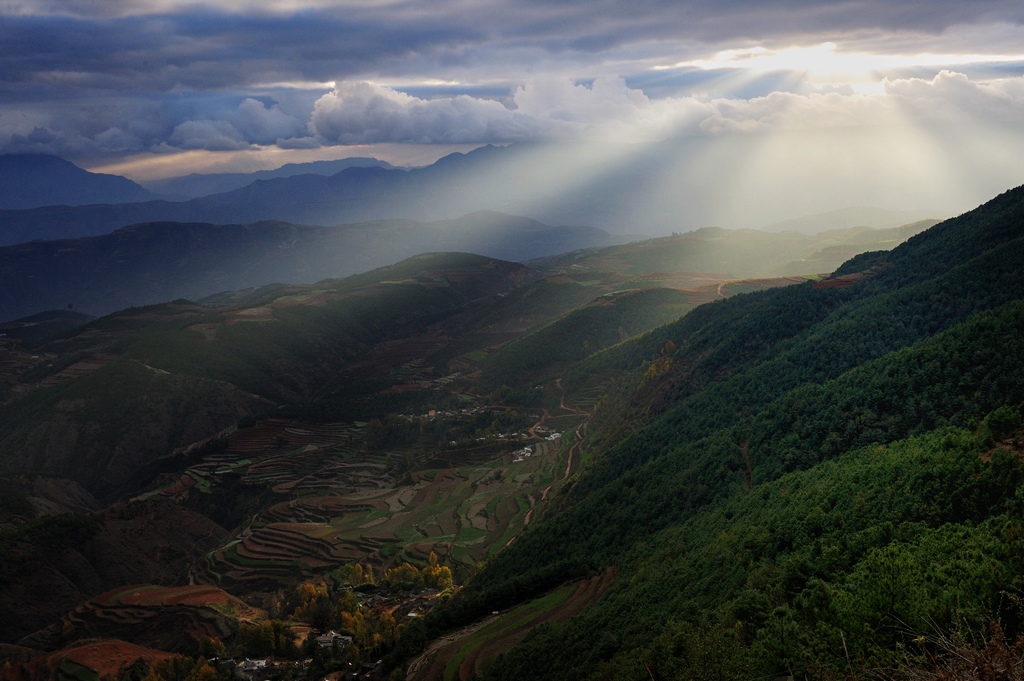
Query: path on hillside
561	400
422	666
533	429
515	625
575	447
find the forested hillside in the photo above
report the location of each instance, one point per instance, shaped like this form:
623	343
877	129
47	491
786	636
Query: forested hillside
820	479
609	464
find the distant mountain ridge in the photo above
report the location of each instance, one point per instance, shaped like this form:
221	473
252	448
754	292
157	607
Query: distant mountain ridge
613	193
352	195
160	261
196	185
512	180
36	180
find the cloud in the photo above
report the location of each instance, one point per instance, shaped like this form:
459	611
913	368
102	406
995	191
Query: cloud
789	111
553	108
84	78
951	97
364	113
252	123
297	143
608	108
570	24
262	124
544	108
146	46
117	140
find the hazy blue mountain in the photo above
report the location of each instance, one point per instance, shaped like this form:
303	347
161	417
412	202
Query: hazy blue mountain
520	180
196	185
161	261
34	180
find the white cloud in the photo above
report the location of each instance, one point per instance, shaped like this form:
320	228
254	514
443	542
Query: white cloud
952	97
365	113
608	108
252	123
787	111
262	124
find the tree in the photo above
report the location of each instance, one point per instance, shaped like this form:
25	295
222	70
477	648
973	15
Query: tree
319	615
211	646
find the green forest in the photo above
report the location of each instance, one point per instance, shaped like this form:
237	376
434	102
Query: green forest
811	481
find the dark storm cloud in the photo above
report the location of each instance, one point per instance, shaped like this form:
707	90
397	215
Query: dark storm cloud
78	86
84	77
222	49
204	50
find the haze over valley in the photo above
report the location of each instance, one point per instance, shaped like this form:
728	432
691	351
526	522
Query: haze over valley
491	341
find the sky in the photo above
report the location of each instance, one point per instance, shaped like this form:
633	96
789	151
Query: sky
777	107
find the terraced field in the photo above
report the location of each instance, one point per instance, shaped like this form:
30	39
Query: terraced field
341	504
167	618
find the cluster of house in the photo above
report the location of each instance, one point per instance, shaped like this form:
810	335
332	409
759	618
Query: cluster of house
263	670
527	452
333	639
522	454
434	413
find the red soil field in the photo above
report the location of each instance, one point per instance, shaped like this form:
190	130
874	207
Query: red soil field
181	595
103	657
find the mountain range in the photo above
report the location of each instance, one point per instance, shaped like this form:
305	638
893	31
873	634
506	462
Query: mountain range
158	262
161	261
520	180
721	454
203	184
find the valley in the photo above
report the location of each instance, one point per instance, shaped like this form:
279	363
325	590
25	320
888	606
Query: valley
615	461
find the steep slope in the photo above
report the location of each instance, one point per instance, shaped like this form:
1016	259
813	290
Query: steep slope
717	406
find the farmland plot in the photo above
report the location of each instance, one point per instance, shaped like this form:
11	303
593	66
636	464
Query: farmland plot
335	502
